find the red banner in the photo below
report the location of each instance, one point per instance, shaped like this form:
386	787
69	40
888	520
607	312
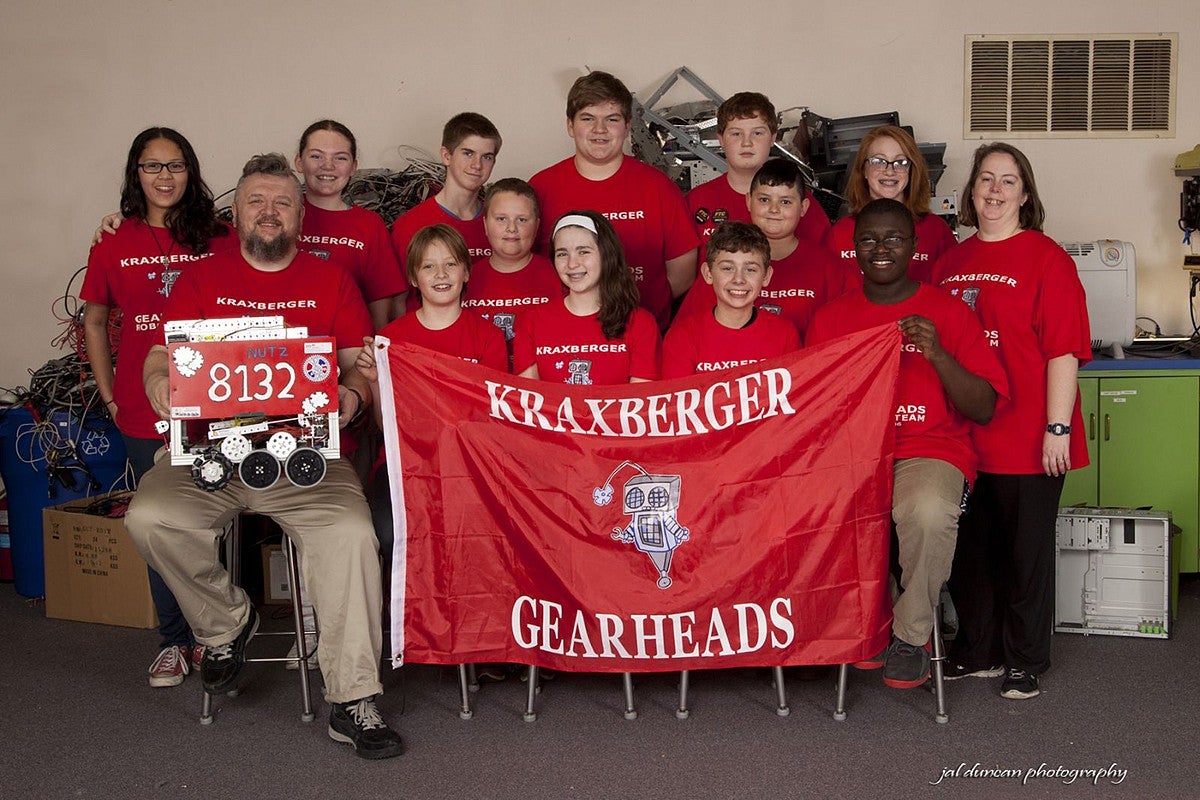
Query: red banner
730	519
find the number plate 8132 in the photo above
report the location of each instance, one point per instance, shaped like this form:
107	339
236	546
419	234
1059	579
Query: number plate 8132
276	377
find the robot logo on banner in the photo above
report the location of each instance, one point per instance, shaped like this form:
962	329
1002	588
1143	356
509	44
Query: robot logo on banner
652	502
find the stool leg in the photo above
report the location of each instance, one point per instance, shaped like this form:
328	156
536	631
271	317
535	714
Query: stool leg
472	679
289	551
780	693
839	710
531	715
206	715
939	672
233	551
630	711
682	712
464	711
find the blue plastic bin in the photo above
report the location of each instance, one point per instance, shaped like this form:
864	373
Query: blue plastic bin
23	464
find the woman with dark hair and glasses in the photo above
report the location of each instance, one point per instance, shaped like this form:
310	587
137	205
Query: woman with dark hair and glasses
169	225
890	166
1027	293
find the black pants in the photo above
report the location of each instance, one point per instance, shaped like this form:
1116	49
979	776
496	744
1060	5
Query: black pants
1003	576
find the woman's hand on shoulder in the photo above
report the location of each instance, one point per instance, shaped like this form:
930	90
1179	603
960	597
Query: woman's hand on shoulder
108	224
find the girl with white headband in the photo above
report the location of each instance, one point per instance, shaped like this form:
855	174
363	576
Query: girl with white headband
597	333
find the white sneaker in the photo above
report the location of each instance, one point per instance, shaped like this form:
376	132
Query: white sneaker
310	641
169	668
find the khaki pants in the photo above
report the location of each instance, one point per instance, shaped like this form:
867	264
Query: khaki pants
177	527
926	500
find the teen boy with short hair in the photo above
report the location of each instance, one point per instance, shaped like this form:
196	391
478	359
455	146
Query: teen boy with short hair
737	266
746	128
644	206
470	144
949	379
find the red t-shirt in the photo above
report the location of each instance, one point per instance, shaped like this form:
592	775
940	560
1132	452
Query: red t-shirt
430	213
357	240
504	297
308	292
934	238
571	349
927	423
1027	294
126	269
801	283
715	201
469	338
644	207
701	344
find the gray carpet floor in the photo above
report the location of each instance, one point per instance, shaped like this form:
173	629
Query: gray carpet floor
78	720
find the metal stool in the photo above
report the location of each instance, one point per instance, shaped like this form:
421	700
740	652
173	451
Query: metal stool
781	706
937	675
234	564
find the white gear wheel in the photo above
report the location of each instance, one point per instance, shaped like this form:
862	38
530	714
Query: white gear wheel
236	448
281	445
315	402
187	361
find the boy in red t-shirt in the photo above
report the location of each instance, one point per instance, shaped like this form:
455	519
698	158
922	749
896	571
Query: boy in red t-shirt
470	144
737	265
644	206
805	275
438	265
513	280
949	378
746	128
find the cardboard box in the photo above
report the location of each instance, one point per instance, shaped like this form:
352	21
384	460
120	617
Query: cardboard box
93	571
276	586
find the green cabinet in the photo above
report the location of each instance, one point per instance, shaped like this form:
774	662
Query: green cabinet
1143	435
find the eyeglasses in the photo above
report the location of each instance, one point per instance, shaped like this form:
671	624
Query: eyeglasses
155	167
889	242
881	164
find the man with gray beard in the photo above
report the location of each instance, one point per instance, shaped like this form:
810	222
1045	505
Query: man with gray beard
176	524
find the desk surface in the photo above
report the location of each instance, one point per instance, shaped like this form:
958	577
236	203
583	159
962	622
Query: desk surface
1132	363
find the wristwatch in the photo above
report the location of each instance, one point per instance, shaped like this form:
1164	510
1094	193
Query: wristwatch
1058	429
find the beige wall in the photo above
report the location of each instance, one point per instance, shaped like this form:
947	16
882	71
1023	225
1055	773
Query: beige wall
80	79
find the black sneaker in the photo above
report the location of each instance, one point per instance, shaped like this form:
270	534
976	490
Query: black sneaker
953	670
358	723
906	666
222	664
1019	685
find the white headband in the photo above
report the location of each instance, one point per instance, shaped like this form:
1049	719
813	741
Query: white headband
575	219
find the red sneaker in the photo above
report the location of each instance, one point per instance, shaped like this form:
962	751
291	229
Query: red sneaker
169	668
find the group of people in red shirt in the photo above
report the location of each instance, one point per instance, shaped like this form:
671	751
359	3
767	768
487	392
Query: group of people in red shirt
745	267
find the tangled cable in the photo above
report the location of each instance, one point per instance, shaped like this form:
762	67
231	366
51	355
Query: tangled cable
389	194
